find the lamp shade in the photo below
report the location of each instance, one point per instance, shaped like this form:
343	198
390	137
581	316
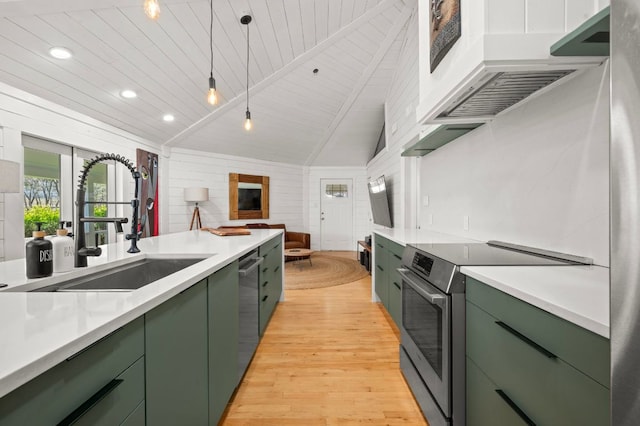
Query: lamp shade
9	176
196	195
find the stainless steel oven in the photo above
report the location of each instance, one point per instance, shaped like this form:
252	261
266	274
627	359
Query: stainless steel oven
432	350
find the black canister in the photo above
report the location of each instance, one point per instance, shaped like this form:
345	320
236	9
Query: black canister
39	255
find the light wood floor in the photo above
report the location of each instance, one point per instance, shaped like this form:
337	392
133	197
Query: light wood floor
329	357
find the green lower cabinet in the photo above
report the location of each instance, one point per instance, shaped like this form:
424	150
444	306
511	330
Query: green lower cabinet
530	370
387	281
137	418
484	405
223	339
270	279
87	380
176	352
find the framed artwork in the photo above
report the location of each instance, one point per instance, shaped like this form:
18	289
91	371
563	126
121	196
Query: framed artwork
148	167
444	28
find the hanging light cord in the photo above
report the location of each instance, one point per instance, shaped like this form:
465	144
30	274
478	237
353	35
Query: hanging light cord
211	34
247	66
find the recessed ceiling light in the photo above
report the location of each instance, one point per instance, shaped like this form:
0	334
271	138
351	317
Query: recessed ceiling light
129	94
60	53
168	118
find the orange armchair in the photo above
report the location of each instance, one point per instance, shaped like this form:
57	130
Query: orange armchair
291	239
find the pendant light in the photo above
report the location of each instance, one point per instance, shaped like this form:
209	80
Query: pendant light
248	125
212	95
152	9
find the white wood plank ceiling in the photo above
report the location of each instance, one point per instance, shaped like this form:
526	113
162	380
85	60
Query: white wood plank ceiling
332	118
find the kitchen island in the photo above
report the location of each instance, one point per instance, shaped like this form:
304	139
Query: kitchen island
41	330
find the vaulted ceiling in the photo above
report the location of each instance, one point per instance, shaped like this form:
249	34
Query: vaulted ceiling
329	118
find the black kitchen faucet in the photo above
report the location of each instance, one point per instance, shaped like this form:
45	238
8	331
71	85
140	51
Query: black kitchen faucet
81	251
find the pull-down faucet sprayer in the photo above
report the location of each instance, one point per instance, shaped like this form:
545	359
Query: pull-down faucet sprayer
80	238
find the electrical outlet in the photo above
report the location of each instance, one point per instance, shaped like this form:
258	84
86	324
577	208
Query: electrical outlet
425	201
409	110
394	128
465	224
430	219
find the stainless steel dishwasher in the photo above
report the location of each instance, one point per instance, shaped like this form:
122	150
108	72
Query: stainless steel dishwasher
249	325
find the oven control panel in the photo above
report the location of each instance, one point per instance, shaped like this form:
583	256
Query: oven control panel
422	263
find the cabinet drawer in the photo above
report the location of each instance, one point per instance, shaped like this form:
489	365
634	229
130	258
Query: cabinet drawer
137	418
122	401
545	387
270	245
586	351
395	250
55	394
484	404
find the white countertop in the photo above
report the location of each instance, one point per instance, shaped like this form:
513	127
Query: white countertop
420	236
40	330
579	294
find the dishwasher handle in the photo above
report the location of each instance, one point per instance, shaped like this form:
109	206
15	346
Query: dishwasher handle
251	267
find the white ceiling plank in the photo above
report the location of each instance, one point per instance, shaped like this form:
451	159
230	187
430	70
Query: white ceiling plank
267	33
346	12
322	20
308	19
211	117
391	36
279	21
335	15
294	23
359	7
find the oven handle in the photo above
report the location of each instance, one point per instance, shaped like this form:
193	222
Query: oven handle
433	298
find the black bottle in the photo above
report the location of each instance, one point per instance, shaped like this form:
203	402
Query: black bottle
39	255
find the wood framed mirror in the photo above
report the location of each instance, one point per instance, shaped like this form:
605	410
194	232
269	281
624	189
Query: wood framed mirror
248	196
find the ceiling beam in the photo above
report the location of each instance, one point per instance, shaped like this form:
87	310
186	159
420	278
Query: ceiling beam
303	58
393	33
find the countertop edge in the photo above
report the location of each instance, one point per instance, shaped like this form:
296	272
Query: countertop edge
540	302
30	370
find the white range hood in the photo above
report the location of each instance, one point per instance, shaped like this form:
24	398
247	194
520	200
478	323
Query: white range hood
500	59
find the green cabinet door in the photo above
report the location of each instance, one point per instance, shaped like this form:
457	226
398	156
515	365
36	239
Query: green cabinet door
176	355
83	378
380	260
223	339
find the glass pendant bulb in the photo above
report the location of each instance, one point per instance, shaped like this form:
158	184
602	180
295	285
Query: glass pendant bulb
248	125
212	95
152	9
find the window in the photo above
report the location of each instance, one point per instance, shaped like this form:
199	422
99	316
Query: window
336	190
51	171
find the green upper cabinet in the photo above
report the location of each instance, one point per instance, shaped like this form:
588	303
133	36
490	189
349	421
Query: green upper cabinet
177	385
441	136
589	39
223	339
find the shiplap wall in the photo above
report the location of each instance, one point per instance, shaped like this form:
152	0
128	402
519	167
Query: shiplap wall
188	168
537	175
21	112
401	127
361	209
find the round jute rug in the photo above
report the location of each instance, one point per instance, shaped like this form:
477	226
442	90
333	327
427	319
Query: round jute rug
329	269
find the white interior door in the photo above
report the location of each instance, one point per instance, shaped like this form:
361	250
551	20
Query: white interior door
336	214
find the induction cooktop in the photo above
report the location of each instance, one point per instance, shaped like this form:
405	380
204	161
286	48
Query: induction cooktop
440	263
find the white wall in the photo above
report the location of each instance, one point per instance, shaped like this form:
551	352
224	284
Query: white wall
188	168
21	113
401	103
537	175
361	209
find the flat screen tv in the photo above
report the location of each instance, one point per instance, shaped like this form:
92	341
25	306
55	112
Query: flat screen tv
379	198
249	199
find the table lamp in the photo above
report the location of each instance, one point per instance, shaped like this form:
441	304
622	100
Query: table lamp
196	195
9	177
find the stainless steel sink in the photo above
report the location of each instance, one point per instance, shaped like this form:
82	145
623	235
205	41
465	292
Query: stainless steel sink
123	278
